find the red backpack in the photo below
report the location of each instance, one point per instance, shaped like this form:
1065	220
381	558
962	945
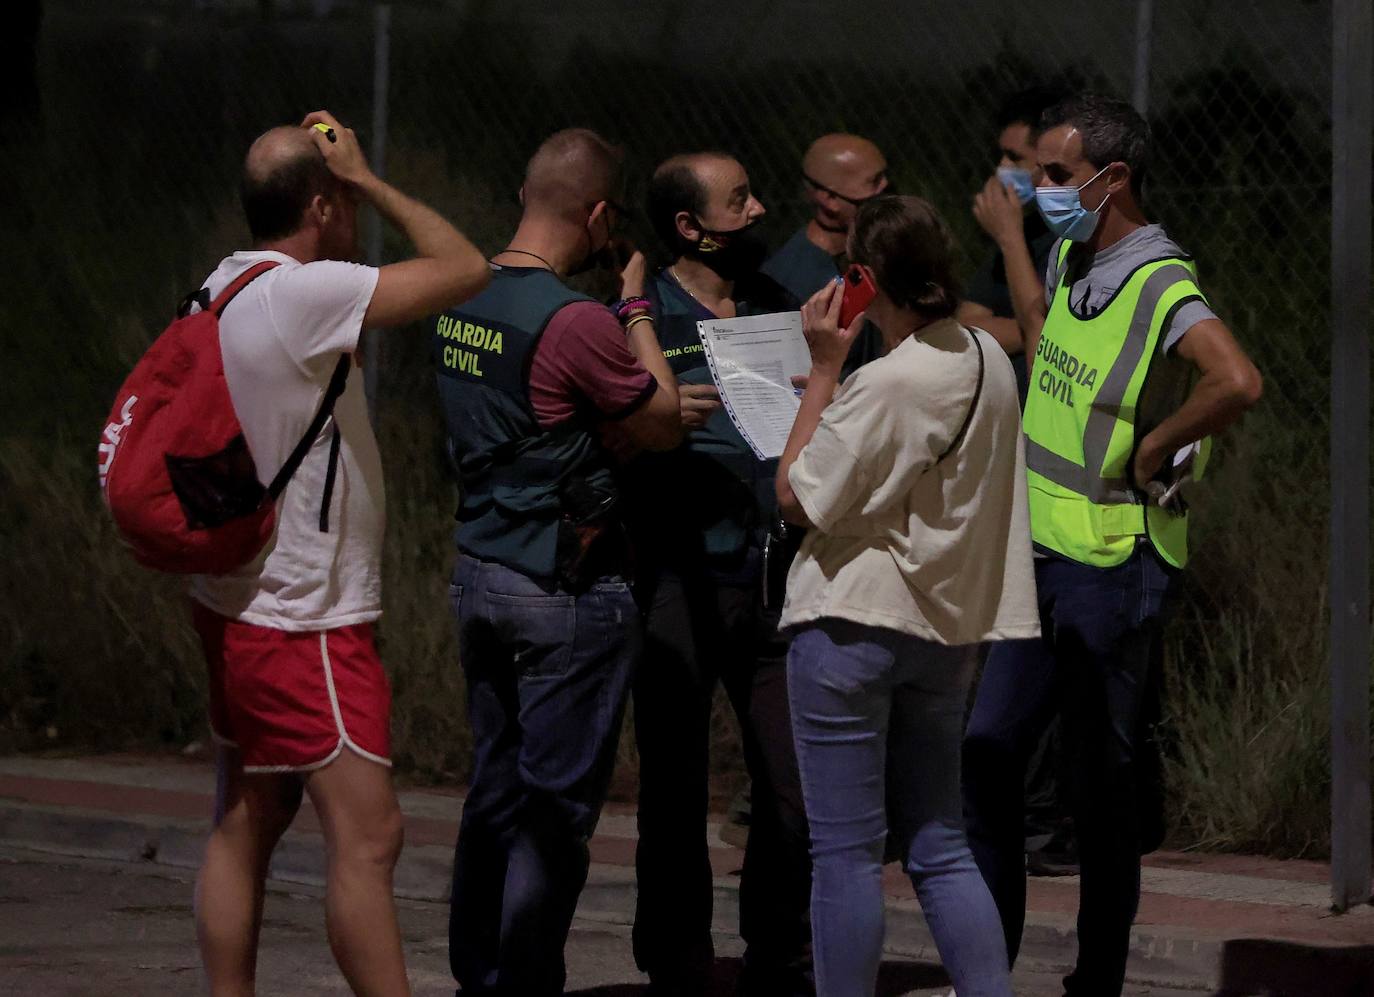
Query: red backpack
174	466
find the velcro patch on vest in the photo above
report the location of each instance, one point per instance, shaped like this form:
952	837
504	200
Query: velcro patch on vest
489	354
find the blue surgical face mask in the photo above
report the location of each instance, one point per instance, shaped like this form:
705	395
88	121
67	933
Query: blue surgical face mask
1064	213
1020	182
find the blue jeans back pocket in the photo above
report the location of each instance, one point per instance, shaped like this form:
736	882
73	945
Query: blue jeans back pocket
538	629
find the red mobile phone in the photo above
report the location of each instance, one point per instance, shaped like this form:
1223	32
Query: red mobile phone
859	290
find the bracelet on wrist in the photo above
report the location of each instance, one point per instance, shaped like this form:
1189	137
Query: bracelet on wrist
625	306
643	317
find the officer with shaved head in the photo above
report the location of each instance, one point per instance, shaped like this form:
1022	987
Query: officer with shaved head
531	374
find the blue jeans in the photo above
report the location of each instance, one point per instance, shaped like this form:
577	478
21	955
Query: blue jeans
877	717
1092	666
548	673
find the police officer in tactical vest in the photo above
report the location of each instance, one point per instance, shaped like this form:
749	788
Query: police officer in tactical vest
711	563
530	375
1130	373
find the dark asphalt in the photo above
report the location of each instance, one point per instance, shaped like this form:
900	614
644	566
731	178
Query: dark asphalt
82	928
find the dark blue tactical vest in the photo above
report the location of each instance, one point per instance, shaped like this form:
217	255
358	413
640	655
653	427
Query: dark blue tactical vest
708	504
527	495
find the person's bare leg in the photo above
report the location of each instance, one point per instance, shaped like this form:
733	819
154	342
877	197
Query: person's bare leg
363	829
251	812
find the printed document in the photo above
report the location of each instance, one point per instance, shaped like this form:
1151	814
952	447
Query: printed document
753	360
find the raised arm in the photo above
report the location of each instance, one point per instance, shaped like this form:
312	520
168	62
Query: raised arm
656	425
446	270
999	212
829	347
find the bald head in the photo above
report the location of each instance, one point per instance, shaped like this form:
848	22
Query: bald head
277	148
282	174
571	172
848	164
841	172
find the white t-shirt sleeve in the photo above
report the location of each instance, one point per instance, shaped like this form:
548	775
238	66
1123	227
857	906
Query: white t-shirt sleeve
317	309
874	440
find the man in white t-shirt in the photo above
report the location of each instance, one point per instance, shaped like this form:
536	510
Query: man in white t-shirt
298	698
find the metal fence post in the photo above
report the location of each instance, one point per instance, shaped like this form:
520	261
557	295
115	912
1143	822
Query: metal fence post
1352	95
381	73
1144	25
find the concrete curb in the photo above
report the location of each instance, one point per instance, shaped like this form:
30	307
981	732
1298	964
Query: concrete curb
1158	954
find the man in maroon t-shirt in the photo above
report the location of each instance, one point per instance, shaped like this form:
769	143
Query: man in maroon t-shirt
548	631
585	362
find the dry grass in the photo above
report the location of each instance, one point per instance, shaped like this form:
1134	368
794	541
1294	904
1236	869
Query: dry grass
95	652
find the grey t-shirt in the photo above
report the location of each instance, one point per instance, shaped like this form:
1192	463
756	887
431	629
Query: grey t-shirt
1108	270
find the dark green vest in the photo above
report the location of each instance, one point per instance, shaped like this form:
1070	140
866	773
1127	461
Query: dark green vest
707	504
523	490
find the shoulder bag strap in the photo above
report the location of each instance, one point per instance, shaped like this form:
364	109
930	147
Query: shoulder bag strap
977	393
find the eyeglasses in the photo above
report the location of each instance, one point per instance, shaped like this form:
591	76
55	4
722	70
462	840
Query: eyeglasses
856	201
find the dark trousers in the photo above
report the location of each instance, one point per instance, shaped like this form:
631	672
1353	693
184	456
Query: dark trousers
1092	666
699	633
548	673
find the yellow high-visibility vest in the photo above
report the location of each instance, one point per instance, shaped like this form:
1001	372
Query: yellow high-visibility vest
1081	419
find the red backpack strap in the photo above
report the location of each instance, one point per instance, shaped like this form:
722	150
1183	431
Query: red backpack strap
239	283
201	297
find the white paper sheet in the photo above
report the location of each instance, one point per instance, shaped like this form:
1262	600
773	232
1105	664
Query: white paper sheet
753	360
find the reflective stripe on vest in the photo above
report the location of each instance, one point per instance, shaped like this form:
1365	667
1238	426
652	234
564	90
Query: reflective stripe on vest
1097	515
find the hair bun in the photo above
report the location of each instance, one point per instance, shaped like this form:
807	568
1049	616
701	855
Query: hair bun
933	299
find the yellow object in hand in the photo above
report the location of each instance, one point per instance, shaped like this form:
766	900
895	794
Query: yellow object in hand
325	130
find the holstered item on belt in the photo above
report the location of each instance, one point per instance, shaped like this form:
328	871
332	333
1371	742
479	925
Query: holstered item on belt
780	546
592	542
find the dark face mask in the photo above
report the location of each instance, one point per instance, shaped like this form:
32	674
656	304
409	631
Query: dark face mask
600	259
597	259
731	254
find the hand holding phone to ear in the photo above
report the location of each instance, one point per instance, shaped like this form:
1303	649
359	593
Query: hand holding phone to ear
828	338
859	290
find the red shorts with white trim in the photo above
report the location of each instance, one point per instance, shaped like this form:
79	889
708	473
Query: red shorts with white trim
290	701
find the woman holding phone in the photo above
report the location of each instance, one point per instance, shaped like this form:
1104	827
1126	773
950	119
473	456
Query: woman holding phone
911	479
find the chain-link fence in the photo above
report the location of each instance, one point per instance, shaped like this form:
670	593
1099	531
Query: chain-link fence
124	197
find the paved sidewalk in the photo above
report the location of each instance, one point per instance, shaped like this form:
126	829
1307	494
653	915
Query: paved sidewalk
1237	924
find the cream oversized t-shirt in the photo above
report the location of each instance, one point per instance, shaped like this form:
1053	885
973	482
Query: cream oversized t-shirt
903	539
